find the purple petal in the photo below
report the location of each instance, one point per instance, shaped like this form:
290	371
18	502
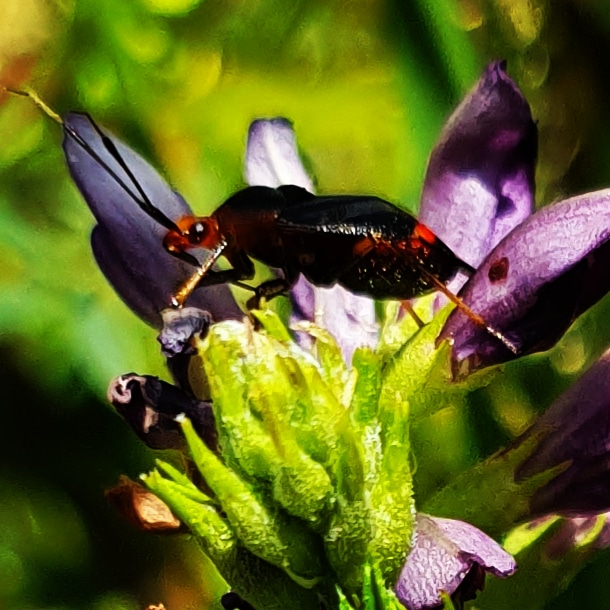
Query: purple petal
480	179
272	159
536	282
444	553
127	242
576	433
350	318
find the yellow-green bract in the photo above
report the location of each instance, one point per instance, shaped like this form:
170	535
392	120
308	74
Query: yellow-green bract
313	480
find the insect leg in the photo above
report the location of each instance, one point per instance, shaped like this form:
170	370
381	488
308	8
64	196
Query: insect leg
475	317
179	298
267	290
406	305
243	269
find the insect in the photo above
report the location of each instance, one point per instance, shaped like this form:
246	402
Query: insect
363	243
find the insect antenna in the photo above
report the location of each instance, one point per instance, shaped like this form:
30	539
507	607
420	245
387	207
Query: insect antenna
143	200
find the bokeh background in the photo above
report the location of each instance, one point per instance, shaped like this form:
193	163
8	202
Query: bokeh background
368	85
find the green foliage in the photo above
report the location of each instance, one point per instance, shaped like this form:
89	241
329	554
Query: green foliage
313	482
312	490
315	460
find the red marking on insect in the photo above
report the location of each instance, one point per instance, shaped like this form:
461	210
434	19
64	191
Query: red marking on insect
423	232
498	270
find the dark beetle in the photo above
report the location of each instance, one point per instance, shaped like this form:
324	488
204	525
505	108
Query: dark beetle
363	243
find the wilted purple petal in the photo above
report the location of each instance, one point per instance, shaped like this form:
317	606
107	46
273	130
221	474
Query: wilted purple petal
576	433
127	242
480	179
445	552
536	282
150	407
272	159
180	327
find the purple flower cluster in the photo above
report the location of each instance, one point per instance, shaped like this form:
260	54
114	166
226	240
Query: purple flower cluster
535	273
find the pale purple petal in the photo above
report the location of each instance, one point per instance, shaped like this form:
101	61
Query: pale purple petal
535	283
127	242
480	179
272	159
444	552
348	317
575	431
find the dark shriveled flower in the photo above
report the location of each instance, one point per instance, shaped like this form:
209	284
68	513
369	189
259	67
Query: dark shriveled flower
127	242
150	406
452	557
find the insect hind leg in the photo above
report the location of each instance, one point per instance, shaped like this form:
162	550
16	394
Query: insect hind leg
267	290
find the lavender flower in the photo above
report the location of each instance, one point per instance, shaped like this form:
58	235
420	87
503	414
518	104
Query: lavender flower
536	282
479	184
450	556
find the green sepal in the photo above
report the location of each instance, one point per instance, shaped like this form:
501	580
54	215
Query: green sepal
328	353
272	324
262	584
343	603
265	408
398	326
347	538
266	533
214	533
375	595
246	446
299	484
188	488
447	603
487	495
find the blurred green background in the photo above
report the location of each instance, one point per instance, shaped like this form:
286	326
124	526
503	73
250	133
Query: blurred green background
368	84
